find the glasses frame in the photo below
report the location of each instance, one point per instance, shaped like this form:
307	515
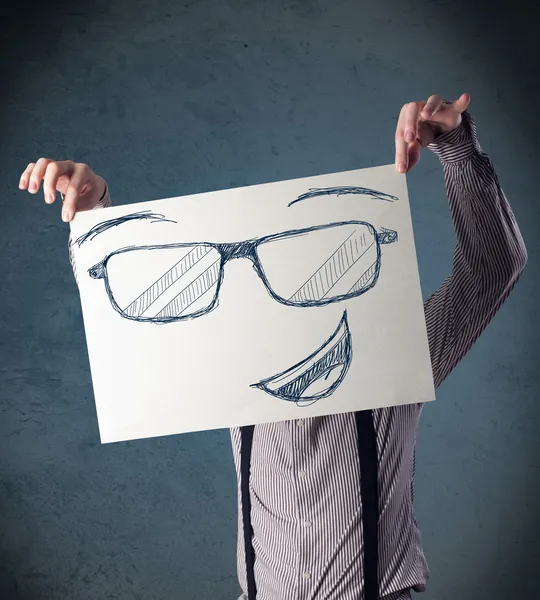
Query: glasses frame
245	249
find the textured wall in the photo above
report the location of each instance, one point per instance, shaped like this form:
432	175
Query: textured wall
169	98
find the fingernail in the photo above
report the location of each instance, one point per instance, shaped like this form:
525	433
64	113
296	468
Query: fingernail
22	183
33	186
49	199
410	136
65	216
401	167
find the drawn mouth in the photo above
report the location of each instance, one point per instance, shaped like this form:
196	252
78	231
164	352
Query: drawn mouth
317	376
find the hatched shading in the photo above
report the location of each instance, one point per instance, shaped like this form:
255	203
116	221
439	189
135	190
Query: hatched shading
354	257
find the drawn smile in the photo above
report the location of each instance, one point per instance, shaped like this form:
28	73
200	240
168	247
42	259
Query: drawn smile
317	376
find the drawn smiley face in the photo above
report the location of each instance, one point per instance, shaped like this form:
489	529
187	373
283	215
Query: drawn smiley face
182	281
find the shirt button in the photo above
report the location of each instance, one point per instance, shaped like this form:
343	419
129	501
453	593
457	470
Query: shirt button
307	523
306	575
299	422
302	474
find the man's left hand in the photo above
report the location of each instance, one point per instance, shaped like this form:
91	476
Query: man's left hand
421	123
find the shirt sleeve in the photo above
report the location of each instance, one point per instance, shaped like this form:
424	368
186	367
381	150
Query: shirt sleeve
489	254
104	202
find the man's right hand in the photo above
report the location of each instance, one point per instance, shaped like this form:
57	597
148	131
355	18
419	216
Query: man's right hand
81	187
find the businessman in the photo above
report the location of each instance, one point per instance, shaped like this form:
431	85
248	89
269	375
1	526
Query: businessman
326	503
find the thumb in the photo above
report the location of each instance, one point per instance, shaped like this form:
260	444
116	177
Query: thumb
462	102
425	134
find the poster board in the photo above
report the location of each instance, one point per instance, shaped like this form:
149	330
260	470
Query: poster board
263	303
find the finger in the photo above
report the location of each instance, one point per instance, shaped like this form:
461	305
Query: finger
401	153
76	183
37	175
25	177
401	144
55	170
462	102
413	152
432	106
405	121
411	115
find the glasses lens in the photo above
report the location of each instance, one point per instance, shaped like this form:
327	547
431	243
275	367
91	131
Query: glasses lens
164	283
322	264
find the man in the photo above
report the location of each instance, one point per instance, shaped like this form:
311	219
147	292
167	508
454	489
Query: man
326	503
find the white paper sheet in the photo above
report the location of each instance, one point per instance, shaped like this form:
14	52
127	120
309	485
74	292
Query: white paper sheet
264	303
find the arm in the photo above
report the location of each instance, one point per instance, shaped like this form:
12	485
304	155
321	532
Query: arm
81	189
489	255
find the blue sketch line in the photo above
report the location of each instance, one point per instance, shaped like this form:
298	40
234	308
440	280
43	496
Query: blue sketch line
327	268
159	287
341	191
352	264
103	226
387	236
333	270
333	356
369	273
192	292
321	283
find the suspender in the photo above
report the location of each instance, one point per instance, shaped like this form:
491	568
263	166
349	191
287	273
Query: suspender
245	464
367	452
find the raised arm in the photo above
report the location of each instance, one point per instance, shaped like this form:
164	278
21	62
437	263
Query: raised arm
489	255
80	188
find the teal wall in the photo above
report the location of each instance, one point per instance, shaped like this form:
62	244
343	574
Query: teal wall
169	98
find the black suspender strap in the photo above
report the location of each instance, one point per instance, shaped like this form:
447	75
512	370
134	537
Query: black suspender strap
367	451
245	467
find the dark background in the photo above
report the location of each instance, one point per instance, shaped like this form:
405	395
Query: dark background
170	98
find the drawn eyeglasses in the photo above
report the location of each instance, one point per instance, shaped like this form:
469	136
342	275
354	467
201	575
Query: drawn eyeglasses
314	266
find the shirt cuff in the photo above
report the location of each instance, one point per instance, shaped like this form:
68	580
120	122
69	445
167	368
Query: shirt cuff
459	144
105	200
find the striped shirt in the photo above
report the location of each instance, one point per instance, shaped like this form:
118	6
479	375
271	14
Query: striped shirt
306	506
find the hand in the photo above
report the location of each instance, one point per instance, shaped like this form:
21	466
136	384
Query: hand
420	123
81	187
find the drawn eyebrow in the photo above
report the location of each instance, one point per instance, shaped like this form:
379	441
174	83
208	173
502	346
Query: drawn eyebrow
341	191
101	227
